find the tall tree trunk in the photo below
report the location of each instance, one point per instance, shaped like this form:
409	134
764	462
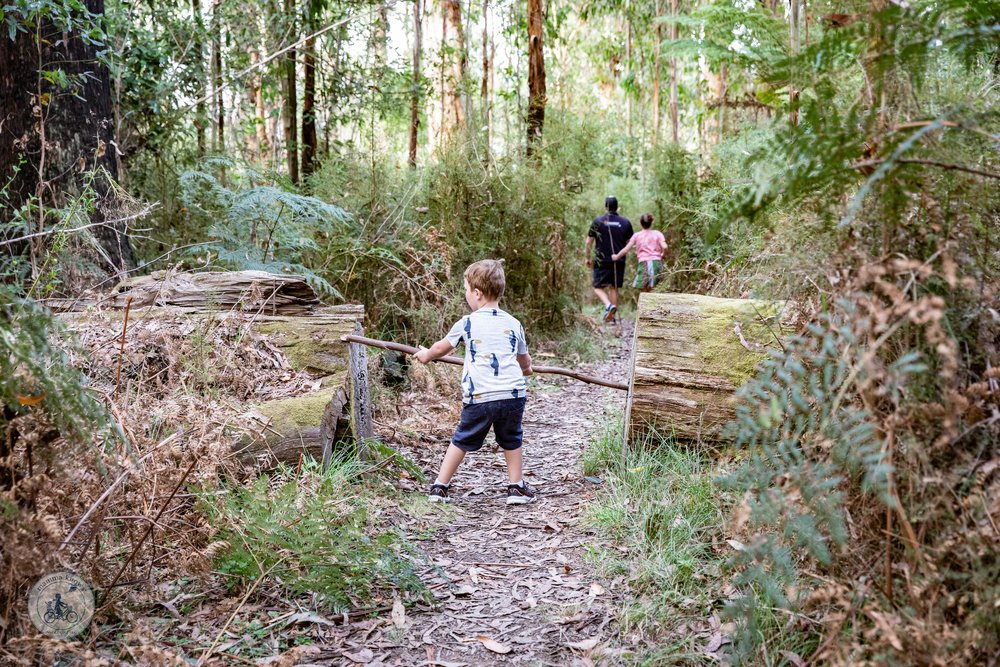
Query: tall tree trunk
64	137
629	65
484	90
380	41
260	113
309	144
674	116
656	77
723	91
793	34
536	74
454	54
200	114
219	142
415	87
291	102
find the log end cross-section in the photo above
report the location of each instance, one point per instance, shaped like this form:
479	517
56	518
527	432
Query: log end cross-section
690	355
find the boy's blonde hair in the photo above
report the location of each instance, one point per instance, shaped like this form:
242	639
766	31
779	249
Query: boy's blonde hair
487	276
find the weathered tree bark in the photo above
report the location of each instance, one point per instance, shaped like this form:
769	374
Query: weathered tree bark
415	86
674	116
291	106
63	136
690	355
536	74
309	141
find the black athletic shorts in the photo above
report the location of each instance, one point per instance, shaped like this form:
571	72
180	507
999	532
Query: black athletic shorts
609	274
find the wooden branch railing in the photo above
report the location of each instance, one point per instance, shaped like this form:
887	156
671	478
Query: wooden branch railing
551	370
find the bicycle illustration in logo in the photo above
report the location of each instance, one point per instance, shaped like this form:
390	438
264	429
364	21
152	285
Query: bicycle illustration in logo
57	610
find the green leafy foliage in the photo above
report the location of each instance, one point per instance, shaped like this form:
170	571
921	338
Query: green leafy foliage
311	531
258	225
37	377
808	446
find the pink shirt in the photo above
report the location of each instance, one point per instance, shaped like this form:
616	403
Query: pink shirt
649	245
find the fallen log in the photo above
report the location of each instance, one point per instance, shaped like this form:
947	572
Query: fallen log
689	356
310	339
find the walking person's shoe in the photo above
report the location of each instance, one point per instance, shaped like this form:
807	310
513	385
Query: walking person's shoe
438	494
520	494
609	312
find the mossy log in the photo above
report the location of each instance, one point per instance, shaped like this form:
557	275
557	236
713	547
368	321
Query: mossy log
690	355
340	411
284	429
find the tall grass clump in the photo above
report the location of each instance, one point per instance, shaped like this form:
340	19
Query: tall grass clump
660	505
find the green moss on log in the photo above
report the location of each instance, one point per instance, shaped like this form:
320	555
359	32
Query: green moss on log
719	347
311	347
289	415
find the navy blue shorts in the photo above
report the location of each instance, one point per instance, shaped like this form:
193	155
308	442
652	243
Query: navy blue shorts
608	274
504	416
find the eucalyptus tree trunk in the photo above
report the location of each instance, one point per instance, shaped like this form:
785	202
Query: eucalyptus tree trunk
484	89
454	55
64	137
291	102
793	38
656	77
628	64
536	73
201	116
309	141
219	141
415	85
674	117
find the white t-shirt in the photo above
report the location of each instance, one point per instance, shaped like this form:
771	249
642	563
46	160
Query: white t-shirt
493	339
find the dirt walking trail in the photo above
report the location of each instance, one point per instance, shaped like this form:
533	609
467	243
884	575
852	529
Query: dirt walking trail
512	585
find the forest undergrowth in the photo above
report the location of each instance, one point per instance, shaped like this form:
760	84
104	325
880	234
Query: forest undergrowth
853	521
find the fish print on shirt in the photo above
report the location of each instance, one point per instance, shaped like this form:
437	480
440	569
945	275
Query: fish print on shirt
472	349
512	338
468	328
495	365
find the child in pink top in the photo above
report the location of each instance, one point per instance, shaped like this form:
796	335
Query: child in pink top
649	246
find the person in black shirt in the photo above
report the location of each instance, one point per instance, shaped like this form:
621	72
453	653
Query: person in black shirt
608	234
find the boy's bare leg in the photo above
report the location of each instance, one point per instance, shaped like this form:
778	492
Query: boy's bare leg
515	464
613	296
602	295
452	458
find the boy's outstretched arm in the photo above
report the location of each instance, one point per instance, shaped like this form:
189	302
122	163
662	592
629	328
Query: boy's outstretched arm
436	351
524	360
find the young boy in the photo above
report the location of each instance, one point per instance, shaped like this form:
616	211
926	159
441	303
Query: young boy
493	384
649	246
